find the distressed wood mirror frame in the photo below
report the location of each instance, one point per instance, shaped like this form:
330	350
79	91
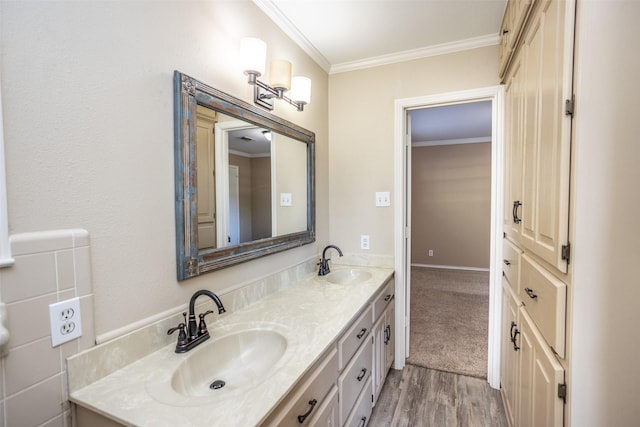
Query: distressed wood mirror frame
191	261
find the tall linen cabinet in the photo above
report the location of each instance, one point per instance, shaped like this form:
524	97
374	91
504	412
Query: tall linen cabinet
536	66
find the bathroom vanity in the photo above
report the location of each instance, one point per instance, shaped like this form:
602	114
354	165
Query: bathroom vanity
314	353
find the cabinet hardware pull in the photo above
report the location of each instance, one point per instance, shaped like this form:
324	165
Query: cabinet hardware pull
362	374
387	298
531	294
514	336
507	262
516	205
363	422
387	334
362	333
313	403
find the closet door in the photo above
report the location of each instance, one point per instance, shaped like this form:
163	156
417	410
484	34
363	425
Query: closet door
548	56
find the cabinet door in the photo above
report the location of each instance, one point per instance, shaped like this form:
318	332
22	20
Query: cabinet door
540	375
508	368
547	54
389	339
378	335
513	151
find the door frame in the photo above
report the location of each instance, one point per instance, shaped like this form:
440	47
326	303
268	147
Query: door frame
402	217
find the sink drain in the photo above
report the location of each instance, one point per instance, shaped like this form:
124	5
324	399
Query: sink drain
217	385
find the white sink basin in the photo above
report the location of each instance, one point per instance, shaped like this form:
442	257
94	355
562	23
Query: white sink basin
229	362
235	359
350	276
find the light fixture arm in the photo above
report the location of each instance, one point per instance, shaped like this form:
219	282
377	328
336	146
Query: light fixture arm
264	93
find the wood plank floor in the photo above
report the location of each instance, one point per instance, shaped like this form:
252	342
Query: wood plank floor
421	397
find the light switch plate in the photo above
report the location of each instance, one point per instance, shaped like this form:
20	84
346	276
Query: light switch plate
285	199
383	198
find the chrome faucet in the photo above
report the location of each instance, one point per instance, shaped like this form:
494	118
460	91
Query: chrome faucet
324	262
192	334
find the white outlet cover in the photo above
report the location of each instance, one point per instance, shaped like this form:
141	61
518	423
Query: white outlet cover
364	242
65	320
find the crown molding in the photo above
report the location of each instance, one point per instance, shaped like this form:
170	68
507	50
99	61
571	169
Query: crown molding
409	55
289	28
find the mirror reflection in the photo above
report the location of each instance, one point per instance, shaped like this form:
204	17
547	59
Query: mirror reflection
244	180
260	188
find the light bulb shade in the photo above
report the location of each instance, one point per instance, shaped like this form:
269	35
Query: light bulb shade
301	89
253	55
280	74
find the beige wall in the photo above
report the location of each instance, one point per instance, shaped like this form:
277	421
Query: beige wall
604	381
87	93
260	197
451	205
361	149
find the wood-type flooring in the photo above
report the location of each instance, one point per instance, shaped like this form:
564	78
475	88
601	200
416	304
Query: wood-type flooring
421	397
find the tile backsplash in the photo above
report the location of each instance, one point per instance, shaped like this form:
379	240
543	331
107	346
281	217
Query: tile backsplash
49	266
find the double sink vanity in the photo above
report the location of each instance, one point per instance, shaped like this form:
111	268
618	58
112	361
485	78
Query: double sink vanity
314	351
302	346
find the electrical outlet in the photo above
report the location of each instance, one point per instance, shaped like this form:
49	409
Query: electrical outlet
430	252
364	242
65	321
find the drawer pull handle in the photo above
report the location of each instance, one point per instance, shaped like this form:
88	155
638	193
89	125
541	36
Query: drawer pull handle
507	262
363	422
362	333
387	298
362	374
531	294
313	403
387	334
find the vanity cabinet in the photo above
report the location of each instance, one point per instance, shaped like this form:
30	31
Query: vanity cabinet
342	387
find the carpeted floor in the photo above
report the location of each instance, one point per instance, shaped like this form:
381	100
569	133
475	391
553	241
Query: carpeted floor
449	320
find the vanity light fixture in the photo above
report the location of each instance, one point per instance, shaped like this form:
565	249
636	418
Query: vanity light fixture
253	53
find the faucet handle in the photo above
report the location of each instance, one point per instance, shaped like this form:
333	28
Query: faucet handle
202	326
182	335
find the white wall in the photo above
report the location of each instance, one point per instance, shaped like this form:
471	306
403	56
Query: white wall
604	387
88	115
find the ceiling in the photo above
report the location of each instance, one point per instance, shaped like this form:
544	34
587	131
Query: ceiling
342	35
346	35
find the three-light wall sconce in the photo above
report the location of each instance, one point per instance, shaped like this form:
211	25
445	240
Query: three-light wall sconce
253	54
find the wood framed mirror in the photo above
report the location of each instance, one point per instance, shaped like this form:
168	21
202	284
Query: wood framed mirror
244	180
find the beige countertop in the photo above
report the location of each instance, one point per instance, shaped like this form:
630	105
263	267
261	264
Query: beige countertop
311	314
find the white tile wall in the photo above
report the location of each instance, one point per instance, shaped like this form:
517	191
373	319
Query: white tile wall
49	266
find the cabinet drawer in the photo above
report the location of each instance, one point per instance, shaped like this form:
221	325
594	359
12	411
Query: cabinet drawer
353	379
545	299
362	410
356	335
315	387
328	413
511	263
383	299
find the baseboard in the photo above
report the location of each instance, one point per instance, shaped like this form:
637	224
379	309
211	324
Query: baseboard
451	267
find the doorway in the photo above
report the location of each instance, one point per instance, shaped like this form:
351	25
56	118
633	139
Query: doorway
403	226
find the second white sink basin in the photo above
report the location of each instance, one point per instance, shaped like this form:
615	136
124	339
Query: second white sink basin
349	276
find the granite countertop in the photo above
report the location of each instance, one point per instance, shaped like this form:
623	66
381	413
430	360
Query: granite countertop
311	314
